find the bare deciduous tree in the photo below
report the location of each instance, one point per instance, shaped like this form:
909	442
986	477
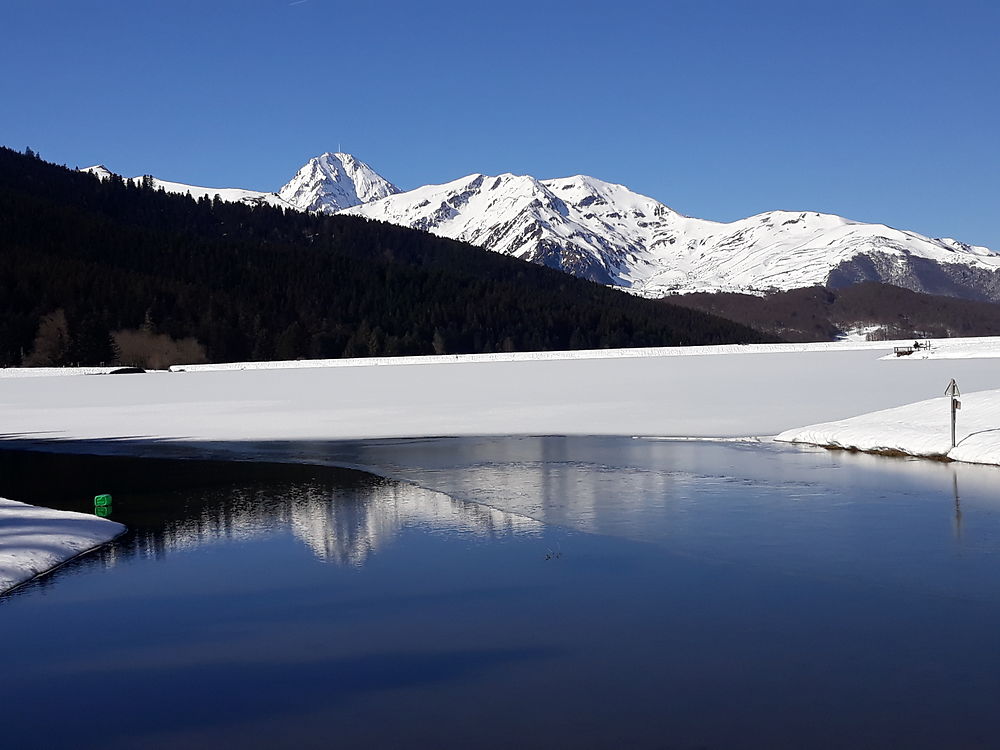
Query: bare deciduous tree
156	351
52	341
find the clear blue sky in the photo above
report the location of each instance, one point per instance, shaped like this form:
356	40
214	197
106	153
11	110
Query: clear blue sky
879	111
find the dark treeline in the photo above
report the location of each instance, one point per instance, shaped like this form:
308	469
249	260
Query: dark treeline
820	314
91	268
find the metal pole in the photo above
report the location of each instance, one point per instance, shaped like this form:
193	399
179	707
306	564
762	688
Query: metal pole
953	421
953	393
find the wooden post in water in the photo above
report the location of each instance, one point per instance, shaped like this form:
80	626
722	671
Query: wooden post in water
952	390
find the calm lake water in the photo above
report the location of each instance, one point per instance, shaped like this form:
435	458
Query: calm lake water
528	592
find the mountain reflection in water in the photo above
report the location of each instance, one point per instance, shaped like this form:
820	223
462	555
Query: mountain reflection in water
340	526
342	516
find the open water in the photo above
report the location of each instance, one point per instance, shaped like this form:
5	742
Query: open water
501	592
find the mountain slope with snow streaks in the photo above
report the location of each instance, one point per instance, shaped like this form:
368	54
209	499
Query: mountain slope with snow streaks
609	234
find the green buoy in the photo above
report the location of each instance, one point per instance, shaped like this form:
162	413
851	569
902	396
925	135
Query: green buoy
101	501
102	511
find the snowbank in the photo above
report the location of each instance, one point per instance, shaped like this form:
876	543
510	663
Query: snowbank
44	372
35	540
920	429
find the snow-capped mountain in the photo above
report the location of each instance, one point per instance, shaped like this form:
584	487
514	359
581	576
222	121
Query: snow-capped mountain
606	233
230	195
609	234
331	182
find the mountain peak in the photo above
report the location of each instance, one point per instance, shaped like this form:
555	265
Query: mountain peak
333	181
342	156
99	170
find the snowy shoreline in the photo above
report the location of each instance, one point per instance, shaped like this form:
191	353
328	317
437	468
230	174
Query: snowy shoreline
35	541
921	429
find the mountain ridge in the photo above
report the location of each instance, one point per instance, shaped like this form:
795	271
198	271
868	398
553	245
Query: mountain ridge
609	234
230	195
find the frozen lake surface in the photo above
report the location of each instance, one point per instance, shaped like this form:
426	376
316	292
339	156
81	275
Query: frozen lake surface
537	592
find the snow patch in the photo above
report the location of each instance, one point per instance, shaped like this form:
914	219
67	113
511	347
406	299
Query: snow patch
35	540
858	333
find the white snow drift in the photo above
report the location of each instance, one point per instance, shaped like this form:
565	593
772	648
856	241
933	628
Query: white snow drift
35	540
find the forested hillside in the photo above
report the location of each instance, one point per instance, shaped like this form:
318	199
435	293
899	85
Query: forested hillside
98	271
821	314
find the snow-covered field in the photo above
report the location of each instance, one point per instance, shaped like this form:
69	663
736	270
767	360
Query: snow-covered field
956	348
35	540
694	392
